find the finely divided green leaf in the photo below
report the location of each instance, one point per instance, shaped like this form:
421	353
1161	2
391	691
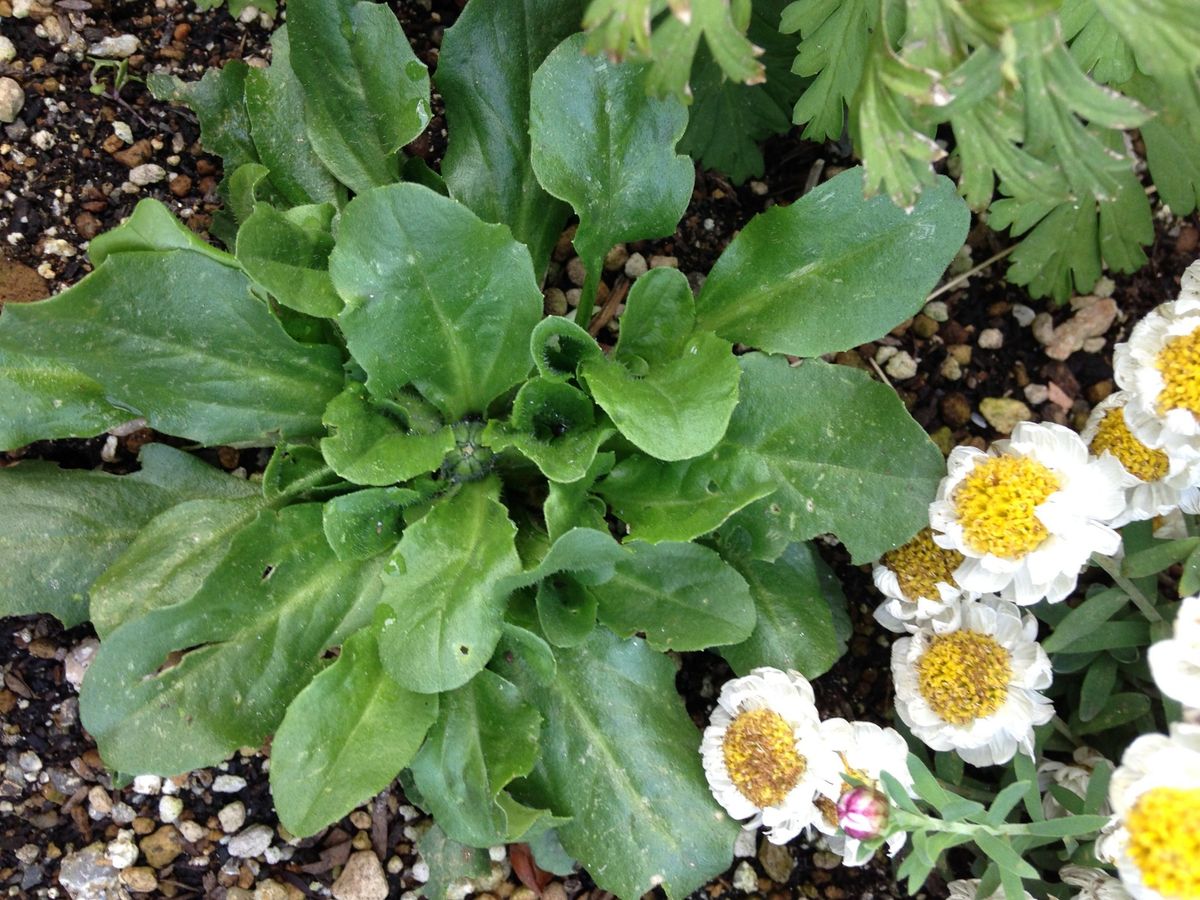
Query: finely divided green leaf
620	756
832	270
178	338
485	71
344	738
366	93
447	595
182	687
418	311
604	146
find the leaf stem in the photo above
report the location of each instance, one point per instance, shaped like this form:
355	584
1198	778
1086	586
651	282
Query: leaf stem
1113	568
587	300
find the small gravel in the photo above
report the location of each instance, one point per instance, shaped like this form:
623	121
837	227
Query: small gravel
252	842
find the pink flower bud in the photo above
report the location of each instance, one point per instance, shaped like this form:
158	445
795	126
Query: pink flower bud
863	813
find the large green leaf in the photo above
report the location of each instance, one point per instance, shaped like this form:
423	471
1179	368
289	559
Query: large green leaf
362	524
604	146
794	629
681	596
841	448
370	445
169	559
680	501
344	738
275	105
446	597
288	254
831	270
45	400
178	338
485	70
668	389
434	297
65	526
621	757
486	735
183	686
366	93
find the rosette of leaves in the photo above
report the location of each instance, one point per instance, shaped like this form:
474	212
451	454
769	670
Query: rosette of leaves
427	577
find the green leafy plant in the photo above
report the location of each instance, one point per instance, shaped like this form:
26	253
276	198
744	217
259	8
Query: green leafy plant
427	576
1037	97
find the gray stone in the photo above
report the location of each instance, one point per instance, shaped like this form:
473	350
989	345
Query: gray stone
8	52
147	173
745	879
228	784
901	366
232	817
87	875
636	266
120	47
252	842
361	879
169	809
12	99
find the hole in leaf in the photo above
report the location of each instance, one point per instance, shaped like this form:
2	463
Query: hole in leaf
464	649
267	572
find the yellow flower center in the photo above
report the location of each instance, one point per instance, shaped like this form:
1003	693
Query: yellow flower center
1114	436
920	564
997	503
761	758
964	676
1179	362
1164	841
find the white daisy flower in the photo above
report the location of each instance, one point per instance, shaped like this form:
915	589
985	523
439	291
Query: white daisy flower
1155	796
1027	514
1160	367
1093	884
974	689
1155	478
861	811
1175	662
1074	776
917	579
767	755
968	889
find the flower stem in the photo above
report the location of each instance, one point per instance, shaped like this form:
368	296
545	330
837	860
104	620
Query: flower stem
1113	568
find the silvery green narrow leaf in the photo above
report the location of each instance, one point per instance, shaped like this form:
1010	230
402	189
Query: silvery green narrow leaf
444	587
831	270
794	628
680	501
275	105
670	390
484	72
604	146
344	738
362	524
235	654
419	309
178	338
486	735
170	558
844	454
289	256
46	400
555	426
151	226
621	757
65	526
681	596
369	444
366	94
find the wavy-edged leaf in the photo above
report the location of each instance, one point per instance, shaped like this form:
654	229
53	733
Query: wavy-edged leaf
183	686
367	522
178	338
417	311
447	594
288	254
366	94
628	773
832	270
485	70
151	226
47	400
344	738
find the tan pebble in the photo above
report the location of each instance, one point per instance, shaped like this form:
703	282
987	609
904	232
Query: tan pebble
1003	413
143	825
615	259
956	409
362	878
924	326
360	819
1098	391
664	262
180	185
270	889
361	841
139	879
161	847
576	271
554	891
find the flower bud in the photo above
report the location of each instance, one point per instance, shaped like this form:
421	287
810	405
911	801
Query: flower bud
863	813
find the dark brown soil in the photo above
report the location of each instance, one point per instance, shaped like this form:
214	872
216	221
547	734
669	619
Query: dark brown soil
64	189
